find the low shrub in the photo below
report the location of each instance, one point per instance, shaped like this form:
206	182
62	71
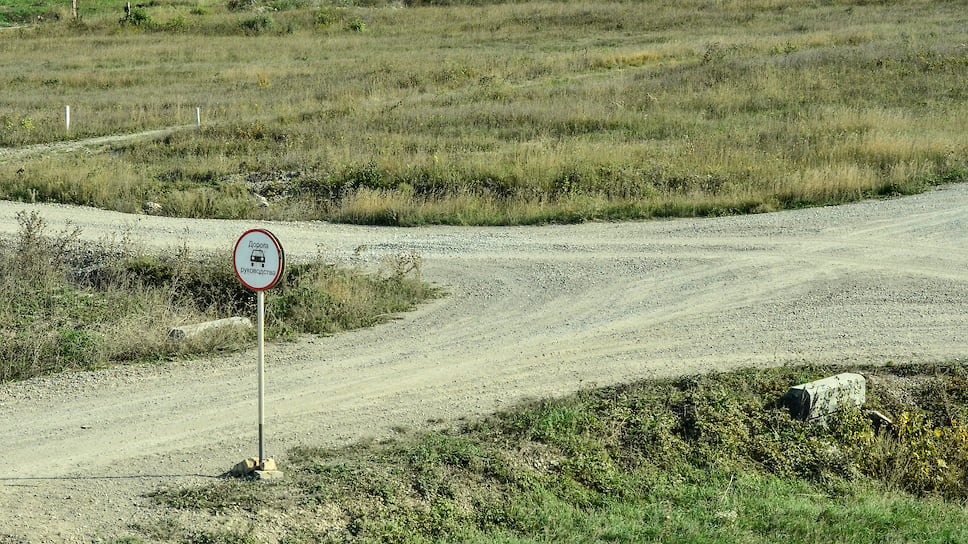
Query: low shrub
138	18
241	5
256	25
76	305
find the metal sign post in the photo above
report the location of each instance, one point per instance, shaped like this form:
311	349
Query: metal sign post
261	303
259	263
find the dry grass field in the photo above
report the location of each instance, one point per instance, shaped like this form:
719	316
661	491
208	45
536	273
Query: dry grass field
481	114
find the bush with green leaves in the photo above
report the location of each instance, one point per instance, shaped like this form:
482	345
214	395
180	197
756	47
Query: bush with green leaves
241	5
138	18
357	24
258	24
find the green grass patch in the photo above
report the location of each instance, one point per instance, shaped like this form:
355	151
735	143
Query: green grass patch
501	113
698	459
73	305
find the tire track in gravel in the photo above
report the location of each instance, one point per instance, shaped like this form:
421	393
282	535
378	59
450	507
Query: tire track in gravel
531	312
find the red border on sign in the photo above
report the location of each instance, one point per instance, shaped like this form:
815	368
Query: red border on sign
282	259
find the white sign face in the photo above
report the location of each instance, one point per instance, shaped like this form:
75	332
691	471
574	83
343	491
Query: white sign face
259	259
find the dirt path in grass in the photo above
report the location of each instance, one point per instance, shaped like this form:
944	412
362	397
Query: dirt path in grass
11	153
532	312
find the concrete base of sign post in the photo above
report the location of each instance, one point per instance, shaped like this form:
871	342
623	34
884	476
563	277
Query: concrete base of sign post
259	470
187	331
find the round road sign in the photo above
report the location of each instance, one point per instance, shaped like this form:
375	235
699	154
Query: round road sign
259	259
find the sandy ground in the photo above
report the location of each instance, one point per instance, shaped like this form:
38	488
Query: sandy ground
531	312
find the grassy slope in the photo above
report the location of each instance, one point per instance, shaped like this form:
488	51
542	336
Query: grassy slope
504	113
699	459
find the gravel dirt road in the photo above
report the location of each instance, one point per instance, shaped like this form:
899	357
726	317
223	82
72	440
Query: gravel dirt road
531	312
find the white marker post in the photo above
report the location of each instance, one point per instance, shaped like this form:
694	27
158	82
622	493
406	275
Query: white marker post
259	263
198	117
67	117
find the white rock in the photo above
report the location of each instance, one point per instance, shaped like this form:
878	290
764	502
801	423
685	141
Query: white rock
816	400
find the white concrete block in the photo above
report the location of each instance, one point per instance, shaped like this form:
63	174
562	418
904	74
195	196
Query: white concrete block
187	331
815	401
